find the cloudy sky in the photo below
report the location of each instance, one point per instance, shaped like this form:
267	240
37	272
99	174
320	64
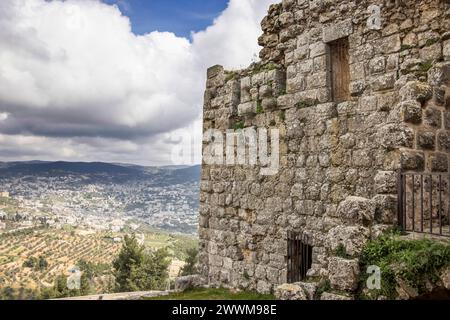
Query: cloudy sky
115	80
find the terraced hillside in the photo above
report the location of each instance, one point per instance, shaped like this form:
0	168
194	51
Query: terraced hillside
62	249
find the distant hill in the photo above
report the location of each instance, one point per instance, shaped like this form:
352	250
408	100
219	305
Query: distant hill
169	174
186	174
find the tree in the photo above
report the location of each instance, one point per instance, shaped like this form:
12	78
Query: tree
42	263
136	270
190	267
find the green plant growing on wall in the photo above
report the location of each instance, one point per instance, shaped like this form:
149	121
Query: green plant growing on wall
305	104
431	41
282	115
259	108
258	68
405	47
324	286
341	252
230	75
238	126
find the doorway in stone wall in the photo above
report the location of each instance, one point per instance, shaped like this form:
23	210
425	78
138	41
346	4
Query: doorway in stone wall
299	257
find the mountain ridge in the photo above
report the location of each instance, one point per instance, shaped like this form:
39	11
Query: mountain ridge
60	168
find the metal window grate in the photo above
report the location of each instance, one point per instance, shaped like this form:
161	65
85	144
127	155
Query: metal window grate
299	257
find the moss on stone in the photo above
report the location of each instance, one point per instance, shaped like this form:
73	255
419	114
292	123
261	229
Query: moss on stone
259	108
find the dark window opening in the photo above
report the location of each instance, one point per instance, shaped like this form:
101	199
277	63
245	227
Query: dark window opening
299	257
339	70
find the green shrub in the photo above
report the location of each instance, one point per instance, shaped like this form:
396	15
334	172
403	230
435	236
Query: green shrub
190	267
324	286
413	261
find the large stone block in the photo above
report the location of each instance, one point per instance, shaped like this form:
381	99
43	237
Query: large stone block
438	162
426	140
214	71
447	50
443	141
248	108
352	238
415	90
445	278
343	273
386	182
433	117
337	30
189	282
290	292
333	296
410	160
356	210
383	82
385	208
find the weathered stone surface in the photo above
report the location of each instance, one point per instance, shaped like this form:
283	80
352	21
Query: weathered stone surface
248	108
446	50
386	182
438	162
337	31
290	292
385	208
416	90
412	161
214	71
426	140
412	111
445	278
443	139
333	296
189	282
356	210
352	238
310	289
394	136
404	291
344	273
433	117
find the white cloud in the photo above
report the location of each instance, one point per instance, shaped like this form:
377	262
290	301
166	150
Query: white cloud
3	116
74	76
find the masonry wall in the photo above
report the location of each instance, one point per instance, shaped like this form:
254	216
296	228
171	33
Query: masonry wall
339	161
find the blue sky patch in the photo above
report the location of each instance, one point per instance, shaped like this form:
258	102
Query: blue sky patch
177	16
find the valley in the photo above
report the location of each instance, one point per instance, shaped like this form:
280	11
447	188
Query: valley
61	214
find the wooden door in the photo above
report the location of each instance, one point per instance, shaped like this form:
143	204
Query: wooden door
340	70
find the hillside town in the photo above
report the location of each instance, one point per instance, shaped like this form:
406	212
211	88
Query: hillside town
29	201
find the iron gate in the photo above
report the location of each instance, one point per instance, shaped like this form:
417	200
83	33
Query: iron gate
424	203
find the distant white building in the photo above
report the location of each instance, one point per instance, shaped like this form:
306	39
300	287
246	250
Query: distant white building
4	194
116	228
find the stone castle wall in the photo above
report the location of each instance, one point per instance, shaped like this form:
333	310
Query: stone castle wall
337	181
